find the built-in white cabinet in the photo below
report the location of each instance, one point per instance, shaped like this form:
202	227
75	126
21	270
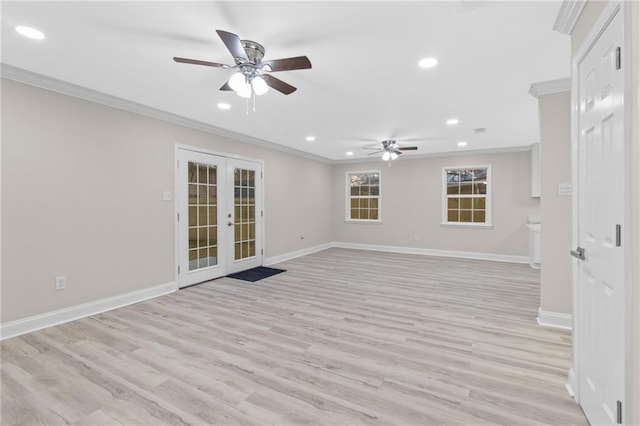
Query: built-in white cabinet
535	170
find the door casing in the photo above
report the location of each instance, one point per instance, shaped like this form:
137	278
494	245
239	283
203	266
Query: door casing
611	9
260	187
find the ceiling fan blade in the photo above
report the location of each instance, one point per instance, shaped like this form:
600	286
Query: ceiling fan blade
226	87
278	84
233	43
408	148
377	152
288	64
198	62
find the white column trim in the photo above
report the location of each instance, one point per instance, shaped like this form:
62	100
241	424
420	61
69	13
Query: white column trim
568	15
555	319
550	87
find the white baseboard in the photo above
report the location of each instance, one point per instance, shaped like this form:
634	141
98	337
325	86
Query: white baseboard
433	252
38	322
571	384
298	253
555	319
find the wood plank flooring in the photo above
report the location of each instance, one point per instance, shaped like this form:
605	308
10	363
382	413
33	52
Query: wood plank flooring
343	337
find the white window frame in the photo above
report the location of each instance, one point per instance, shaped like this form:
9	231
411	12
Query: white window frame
348	197
487	218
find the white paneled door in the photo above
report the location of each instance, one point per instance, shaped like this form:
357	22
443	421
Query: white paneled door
219	216
601	208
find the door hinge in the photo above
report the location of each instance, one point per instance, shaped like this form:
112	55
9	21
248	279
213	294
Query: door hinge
618	58
261	213
262	251
618	235
178	269
619	412
178	164
178	217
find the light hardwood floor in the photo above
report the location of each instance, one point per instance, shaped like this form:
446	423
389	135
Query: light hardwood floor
343	337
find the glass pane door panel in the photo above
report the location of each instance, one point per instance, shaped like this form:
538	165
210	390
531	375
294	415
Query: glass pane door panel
244	182
203	221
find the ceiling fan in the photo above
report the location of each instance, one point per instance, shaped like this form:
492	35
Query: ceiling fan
252	75
391	150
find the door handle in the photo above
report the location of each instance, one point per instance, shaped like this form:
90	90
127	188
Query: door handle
578	253
230	223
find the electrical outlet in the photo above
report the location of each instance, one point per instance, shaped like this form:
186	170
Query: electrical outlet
61	283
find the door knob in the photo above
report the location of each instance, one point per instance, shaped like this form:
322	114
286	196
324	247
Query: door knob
578	253
230	223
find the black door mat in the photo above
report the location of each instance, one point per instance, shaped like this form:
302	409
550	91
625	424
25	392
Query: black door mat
256	274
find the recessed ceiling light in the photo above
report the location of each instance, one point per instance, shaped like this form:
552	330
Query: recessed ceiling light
224	105
310	138
462	143
428	63
349	153
452	121
29	32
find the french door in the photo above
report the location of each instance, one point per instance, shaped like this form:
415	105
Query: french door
600	310
219	214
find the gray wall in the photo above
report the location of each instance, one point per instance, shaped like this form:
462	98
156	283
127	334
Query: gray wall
82	191
412	205
556	277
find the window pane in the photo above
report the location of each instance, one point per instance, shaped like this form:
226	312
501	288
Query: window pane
193	193
479	203
373	203
193	216
374	190
355	191
212	176
452	215
466	187
465	203
355	214
364	203
453	188
465	216
355	202
203	172
480	187
203	237
213	256
202	216
364	214
453	203
213	199
478	216
373	214
193	172
202	194
364	190
213	236
193	238
213	215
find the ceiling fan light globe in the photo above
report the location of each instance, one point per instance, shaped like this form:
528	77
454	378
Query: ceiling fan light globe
394	155
259	86
237	81
245	91
386	156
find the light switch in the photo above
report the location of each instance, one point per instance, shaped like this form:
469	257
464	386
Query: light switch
565	189
166	196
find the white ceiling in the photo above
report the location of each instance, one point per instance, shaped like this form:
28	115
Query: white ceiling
365	84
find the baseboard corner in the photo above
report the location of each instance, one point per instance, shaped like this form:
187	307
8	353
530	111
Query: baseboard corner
554	319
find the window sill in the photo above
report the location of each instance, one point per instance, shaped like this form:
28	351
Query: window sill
365	222
467	225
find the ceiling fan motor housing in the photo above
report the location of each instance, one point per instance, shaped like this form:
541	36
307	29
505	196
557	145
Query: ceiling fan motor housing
255	51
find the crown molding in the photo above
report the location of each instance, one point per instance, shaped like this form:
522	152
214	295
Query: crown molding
550	87
568	15
45	82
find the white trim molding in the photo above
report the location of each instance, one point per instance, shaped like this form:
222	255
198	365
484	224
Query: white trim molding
268	261
434	252
555	319
571	384
550	87
568	15
49	83
49	319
